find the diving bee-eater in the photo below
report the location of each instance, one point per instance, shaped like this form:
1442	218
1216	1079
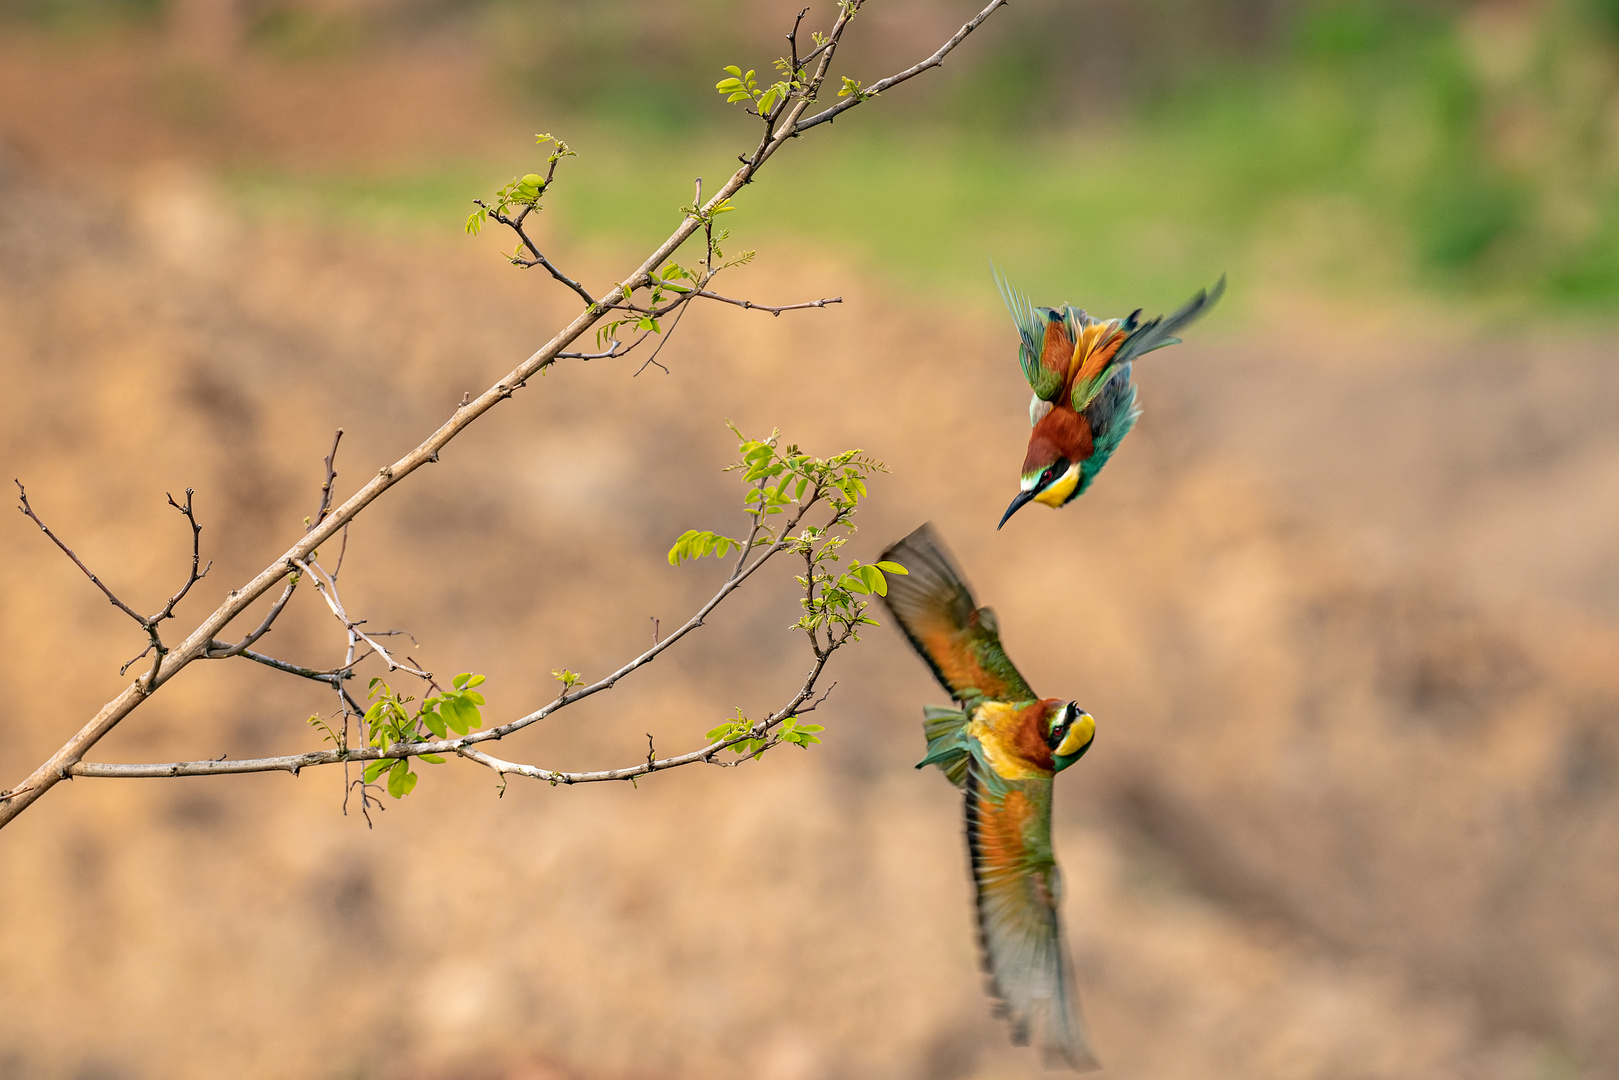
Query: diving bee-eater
1084	403
1002	746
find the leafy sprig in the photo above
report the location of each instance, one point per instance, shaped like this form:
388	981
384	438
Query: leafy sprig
524	192
748	744
390	720
743	86
787	481
852	88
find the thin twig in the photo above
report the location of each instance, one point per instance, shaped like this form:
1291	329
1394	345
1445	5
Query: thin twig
792	44
342	551
869	92
326	585
196	558
326	488
772	308
516	225
131	661
616	350
218	650
97	582
653	359
331	676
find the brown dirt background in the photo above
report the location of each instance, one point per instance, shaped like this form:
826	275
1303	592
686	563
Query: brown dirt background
1346	607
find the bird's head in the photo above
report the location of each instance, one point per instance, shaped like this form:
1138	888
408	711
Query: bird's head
1049	479
1070	732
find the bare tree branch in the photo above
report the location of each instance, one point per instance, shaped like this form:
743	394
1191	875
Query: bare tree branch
785	122
869	92
295	762
466	746
773	309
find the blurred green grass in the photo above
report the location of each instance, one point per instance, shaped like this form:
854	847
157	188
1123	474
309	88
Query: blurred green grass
1468	154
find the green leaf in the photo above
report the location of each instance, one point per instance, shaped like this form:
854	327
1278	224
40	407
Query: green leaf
374	769
892	568
455	716
434	722
682	543
400	779
725	86
734	70
431	759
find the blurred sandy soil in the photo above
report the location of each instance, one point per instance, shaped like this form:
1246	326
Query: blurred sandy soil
1346	607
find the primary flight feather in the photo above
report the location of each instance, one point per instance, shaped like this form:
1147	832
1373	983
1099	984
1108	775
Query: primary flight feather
1002	746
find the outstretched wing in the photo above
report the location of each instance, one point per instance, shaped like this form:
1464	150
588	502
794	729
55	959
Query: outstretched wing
1019	924
959	640
1139	340
1045	343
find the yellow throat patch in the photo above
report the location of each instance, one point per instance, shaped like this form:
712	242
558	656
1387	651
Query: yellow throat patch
1056	493
1080	733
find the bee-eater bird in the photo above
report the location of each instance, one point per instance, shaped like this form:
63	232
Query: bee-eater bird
1084	403
1002	746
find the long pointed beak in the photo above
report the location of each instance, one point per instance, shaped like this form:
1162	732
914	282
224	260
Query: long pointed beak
1022	497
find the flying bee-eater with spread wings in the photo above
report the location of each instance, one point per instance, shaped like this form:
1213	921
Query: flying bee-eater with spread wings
1084	403
1003	746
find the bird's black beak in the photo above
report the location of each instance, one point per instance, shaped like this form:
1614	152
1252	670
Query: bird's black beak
1022	497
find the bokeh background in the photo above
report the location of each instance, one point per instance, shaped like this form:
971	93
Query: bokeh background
1346	605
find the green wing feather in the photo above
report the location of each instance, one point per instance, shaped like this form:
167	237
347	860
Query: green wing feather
1143	338
1019	893
948	745
960	641
1031	328
1159	333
